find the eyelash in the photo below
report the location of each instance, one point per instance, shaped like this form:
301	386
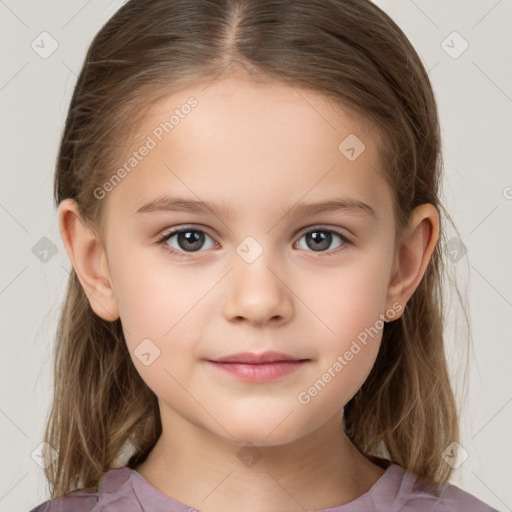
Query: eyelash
165	238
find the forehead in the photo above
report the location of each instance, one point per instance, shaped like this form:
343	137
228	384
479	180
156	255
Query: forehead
245	107
242	143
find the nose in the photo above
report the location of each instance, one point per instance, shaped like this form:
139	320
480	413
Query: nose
258	293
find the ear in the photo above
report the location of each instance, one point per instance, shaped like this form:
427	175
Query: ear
413	255
88	259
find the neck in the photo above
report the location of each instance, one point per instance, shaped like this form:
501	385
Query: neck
322	470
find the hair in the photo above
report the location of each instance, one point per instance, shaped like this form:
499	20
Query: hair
347	50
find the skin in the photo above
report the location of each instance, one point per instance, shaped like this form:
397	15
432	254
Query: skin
259	149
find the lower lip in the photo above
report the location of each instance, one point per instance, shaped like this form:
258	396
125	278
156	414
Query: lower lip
263	372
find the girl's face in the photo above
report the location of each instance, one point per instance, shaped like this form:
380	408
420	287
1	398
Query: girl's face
260	269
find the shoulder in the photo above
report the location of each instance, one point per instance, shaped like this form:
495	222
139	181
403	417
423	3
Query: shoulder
414	494
113	488
77	501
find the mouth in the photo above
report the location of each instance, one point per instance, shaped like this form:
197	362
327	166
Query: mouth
264	367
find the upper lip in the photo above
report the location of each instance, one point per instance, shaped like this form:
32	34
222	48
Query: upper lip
252	358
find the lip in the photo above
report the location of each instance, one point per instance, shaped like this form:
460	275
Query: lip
265	367
252	358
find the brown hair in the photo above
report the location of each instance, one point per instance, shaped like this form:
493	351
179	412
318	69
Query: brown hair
348	50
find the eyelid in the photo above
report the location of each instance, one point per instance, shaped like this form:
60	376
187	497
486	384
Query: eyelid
183	227
324	227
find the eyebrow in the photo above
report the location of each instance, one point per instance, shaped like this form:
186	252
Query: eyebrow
169	204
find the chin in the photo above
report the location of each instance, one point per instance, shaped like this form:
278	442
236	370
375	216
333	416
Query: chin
263	434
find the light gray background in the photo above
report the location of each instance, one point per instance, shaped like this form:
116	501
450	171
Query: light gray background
474	94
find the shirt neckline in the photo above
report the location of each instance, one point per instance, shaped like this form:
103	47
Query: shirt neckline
391	478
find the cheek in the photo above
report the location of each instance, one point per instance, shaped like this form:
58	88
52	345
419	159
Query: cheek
348	348
157	318
162	312
153	295
349	300
349	306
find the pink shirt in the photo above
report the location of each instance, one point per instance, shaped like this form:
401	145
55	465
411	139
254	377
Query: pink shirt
124	490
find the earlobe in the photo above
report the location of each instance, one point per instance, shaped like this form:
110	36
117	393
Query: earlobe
88	259
413	255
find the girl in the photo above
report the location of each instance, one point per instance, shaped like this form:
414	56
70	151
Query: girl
248	193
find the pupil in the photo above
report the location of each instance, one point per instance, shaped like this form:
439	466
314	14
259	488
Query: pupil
321	239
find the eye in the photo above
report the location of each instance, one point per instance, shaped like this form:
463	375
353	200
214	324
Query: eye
187	240
320	239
